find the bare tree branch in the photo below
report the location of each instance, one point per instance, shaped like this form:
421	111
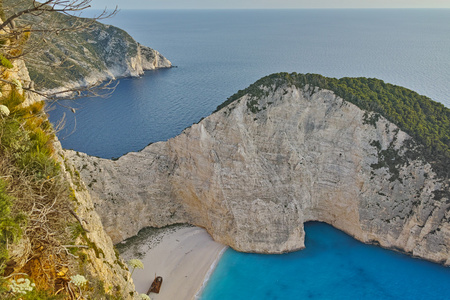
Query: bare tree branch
43	21
50	6
99	89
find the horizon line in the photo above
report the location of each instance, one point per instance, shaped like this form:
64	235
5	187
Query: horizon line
284	8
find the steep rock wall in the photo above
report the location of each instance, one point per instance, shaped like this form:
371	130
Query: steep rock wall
87	56
102	263
256	170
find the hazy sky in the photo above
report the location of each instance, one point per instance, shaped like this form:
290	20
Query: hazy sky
199	4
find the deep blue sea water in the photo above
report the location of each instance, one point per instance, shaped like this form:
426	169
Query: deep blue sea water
332	266
220	52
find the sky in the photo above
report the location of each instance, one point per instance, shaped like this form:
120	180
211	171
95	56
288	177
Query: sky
267	4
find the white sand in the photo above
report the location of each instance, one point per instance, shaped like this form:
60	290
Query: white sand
183	258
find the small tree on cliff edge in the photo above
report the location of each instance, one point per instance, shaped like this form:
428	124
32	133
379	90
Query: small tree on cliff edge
22	36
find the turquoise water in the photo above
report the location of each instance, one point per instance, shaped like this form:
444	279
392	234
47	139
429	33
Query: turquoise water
332	266
221	52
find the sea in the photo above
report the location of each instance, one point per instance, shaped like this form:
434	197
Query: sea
217	53
333	266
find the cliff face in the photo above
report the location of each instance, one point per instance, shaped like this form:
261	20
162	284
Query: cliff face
256	170
88	57
102	262
96	258
49	226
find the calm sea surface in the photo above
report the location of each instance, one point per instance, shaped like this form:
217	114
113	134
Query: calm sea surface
333	266
220	52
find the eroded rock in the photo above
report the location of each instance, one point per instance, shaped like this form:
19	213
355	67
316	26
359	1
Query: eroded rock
255	171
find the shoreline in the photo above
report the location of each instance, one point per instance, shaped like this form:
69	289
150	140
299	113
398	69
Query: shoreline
209	273
185	256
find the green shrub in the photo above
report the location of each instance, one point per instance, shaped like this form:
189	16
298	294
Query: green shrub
13	101
5	62
33	295
10	230
27	137
427	121
36	190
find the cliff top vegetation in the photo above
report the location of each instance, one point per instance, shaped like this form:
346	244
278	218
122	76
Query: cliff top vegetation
70	55
425	120
57	45
43	244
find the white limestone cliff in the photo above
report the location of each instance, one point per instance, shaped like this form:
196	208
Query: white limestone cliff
102	261
255	171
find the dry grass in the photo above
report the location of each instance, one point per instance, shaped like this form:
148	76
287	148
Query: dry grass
40	199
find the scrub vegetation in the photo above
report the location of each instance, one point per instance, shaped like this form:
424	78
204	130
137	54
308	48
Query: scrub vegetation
44	248
427	121
34	200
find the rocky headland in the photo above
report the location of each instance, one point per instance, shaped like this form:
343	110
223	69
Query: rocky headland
103	53
273	157
92	54
289	149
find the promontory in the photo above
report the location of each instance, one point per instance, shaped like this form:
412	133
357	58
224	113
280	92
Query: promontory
369	158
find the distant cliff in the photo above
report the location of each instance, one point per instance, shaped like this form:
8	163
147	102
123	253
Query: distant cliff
279	154
98	53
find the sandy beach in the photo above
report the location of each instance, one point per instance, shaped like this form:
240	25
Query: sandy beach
183	256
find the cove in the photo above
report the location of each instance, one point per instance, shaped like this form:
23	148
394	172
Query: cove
332	266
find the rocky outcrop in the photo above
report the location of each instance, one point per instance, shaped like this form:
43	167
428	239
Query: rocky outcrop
102	262
151	59
106	52
256	170
65	251
97	258
19	73
86	56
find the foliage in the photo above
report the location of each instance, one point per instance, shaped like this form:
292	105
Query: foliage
41	295
78	280
5	62
96	290
47	35
135	264
28	137
36	203
76	230
21	286
35	294
427	121
10	230
33	195
144	297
